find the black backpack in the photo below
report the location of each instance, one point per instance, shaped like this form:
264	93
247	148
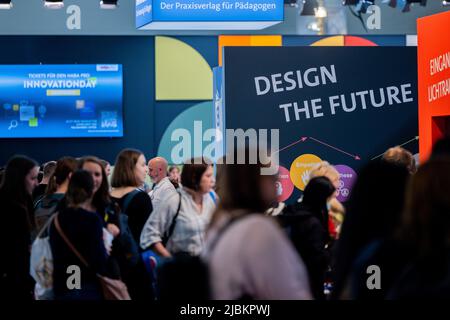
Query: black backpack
44	208
125	242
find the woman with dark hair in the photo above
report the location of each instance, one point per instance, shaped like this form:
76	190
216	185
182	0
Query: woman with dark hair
373	214
425	234
102	205
189	212
175	176
107	166
129	174
56	189
19	180
123	248
48	169
101	202
307	226
84	230
61	176
247	253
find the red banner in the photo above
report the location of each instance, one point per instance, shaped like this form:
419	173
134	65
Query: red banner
434	80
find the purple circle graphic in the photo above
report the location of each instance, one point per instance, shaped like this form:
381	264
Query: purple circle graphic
347	179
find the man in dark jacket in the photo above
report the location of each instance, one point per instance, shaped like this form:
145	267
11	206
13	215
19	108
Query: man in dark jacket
306	224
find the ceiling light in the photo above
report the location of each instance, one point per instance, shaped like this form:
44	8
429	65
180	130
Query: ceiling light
423	3
53	4
292	3
5	4
108	4
320	12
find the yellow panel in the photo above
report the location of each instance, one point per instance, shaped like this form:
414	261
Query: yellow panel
336	41
266	41
232	41
63	92
181	73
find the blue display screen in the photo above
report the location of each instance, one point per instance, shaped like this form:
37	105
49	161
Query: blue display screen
52	101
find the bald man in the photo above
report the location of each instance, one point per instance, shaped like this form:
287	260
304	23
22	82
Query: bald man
163	188
402	157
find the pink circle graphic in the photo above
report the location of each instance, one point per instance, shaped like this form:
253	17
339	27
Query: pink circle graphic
284	185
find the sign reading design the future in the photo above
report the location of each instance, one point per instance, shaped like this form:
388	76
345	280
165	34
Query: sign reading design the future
318	107
343	105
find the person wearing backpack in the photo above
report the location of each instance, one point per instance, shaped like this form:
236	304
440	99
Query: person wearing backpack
187	214
306	224
129	173
247	254
174	235
101	202
124	251
372	218
84	228
45	207
16	210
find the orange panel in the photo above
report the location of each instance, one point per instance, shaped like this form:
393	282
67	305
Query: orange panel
273	41
433	48
232	41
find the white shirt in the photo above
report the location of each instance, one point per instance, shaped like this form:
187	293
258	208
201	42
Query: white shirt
189	233
254	257
163	190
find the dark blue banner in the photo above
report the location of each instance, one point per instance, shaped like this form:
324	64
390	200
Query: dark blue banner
344	105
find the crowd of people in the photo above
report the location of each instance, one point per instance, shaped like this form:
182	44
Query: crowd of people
220	233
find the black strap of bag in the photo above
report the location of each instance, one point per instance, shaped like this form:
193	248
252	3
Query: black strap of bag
128	197
67	241
169	233
112	289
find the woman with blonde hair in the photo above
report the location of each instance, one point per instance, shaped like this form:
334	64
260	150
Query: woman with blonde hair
129	174
325	169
